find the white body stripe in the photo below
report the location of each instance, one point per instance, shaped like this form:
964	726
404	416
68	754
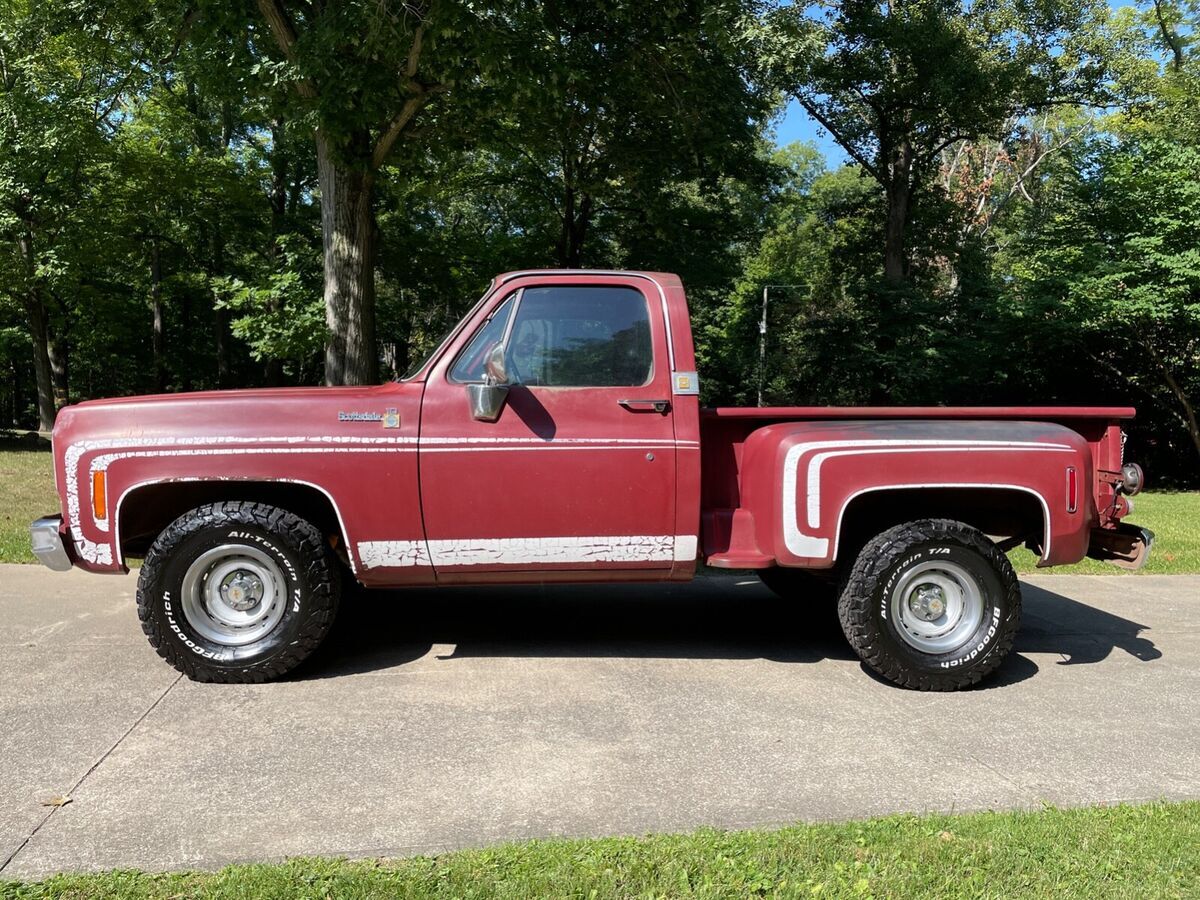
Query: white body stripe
227	445
529	551
809	546
685	547
378	554
102	553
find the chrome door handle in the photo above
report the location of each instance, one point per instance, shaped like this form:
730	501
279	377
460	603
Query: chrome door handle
659	406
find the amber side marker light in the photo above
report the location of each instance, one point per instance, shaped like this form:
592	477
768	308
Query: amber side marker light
99	496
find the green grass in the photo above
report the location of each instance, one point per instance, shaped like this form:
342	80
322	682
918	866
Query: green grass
27	491
1174	517
1124	851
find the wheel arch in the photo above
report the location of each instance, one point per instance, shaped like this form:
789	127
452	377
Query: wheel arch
159	502
1001	511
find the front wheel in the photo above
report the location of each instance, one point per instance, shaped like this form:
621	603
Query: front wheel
237	592
932	605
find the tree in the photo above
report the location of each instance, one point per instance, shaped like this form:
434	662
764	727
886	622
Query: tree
364	73
64	71
632	99
897	83
1114	262
813	257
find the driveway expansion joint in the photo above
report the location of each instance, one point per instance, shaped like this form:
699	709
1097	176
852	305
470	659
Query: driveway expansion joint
94	766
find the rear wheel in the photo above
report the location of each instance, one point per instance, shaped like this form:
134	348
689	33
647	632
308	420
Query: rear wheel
237	592
932	605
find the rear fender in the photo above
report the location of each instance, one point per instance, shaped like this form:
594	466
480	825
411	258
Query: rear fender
799	478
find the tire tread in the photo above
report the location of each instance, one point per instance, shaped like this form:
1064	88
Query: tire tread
856	603
322	589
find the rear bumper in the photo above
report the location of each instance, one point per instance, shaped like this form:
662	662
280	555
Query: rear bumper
1127	546
49	544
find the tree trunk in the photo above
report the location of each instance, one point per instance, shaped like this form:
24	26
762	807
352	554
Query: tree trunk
348	232
186	344
221	315
893	242
273	368
18	391
899	195
159	338
1185	403
39	332
564	234
221	322
576	219
57	350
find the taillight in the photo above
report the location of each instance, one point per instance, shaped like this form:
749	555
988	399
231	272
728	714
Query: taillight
1072	489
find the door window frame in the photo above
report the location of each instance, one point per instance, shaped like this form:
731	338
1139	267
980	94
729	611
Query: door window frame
519	293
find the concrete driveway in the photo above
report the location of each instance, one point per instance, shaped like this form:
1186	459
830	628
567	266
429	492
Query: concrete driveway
466	717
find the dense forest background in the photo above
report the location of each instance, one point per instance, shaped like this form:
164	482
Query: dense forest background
214	195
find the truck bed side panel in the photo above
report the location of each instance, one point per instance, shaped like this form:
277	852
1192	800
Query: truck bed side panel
778	495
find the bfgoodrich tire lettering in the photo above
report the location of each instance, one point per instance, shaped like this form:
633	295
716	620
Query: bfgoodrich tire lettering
302	588
962	605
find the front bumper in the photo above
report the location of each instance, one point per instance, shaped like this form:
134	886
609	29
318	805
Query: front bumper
50	544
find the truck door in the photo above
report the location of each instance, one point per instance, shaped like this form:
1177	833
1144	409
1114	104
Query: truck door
577	475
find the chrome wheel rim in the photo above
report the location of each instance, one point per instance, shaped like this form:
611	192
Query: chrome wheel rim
937	606
233	595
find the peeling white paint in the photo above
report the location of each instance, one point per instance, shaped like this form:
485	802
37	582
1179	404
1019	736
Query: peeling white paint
392	554
528	551
102	553
230	445
649	445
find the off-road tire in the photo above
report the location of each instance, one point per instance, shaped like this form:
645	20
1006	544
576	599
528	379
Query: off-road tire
309	570
798	584
867	619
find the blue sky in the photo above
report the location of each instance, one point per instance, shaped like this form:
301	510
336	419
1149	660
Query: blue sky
796	125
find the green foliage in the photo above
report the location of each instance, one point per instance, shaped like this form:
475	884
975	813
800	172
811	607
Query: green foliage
157	162
280	317
1111	263
929	72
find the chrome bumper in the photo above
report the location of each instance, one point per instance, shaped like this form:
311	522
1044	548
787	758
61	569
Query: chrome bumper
49	545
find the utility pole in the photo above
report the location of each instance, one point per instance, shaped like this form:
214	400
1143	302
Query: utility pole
762	337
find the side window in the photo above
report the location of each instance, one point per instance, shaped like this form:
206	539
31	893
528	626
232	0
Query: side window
581	337
471	362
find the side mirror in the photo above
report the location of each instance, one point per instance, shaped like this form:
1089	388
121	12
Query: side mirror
496	367
487	399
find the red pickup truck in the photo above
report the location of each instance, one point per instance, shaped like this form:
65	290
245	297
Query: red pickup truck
556	435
